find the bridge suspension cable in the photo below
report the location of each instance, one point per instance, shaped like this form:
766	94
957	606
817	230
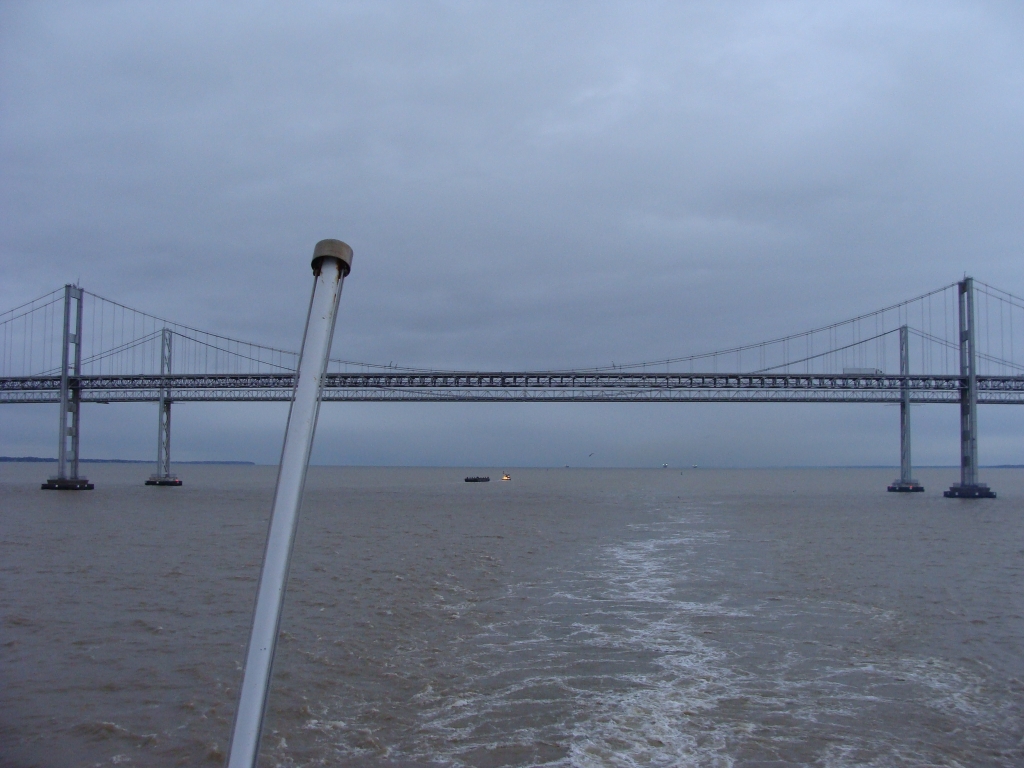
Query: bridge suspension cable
847	341
120	340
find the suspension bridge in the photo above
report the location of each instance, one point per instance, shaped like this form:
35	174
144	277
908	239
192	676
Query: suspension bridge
958	344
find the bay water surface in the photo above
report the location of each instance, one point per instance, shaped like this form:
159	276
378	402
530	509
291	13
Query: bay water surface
569	617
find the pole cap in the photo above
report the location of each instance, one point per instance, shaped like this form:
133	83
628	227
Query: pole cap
334	249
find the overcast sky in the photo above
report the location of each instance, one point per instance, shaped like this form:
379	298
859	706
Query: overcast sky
525	185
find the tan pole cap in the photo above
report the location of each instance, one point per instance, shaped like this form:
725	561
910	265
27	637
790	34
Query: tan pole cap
333	248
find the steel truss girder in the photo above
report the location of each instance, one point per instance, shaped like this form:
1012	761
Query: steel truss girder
525	387
522	395
552	380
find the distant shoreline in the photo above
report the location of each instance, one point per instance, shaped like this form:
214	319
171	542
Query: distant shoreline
44	460
115	461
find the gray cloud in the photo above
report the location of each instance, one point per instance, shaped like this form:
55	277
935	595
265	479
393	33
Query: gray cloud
525	185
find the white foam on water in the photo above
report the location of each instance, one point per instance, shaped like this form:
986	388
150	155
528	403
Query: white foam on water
689	701
615	667
567	680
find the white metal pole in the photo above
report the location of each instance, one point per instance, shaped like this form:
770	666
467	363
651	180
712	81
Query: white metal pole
332	260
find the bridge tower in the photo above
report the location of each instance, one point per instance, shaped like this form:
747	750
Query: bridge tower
163	474
968	487
905	483
67	478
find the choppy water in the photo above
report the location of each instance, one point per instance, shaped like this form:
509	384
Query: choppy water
569	617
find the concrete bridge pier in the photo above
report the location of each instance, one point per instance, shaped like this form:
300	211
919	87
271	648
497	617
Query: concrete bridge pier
968	487
163	474
67	478
906	483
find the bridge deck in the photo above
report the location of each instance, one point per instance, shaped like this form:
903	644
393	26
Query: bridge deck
542	386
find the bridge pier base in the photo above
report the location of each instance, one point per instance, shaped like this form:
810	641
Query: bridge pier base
905	483
67	478
976	491
163	474
67	484
968	487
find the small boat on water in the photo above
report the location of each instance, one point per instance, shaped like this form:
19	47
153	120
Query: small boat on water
506	476
478	479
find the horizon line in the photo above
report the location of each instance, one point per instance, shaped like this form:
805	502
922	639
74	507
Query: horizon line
44	460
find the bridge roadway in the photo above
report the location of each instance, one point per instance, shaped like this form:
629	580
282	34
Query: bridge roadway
538	386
